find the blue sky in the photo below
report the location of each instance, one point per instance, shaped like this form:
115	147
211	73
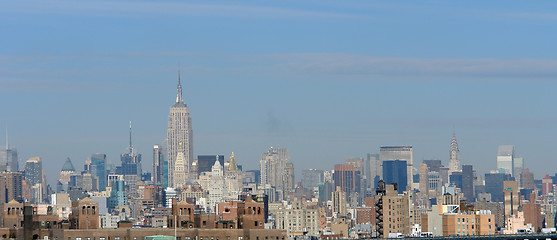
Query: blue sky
329	80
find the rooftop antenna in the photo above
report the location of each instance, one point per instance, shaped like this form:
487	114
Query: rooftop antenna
130	133
179	98
7	145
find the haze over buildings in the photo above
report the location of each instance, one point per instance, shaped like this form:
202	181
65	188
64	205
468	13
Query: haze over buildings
347	93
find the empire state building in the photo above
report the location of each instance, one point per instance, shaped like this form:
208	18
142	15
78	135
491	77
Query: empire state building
180	140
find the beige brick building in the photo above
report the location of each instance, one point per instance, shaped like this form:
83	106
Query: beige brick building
477	223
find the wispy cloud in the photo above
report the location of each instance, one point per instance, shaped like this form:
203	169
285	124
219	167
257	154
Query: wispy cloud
140	8
311	67
346	64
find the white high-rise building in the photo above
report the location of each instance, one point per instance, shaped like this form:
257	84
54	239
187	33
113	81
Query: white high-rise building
179	131
505	158
454	160
273	169
216	186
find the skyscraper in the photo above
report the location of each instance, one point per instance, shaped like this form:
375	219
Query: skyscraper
454	160
13	186
424	179
34	171
179	132
97	167
131	164
547	185
518	166
34	176
8	157
494	183
403	153
273	169
347	178
289	177
67	170
468	182
372	166
505	156
511	198
394	172
527	179
158	165
311	178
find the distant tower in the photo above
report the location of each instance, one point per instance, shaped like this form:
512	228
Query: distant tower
97	167
179	131
67	170
424	179
216	188
505	158
454	162
8	158
33	171
158	166
233	178
403	153
289	180
34	176
273	169
131	164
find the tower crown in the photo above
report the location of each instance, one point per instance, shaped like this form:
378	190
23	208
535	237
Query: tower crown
454	160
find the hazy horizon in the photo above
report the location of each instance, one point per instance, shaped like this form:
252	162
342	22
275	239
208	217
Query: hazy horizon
328	80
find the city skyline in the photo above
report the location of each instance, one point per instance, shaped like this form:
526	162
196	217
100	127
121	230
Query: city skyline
325	96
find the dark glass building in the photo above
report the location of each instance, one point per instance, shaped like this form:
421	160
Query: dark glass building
395	172
468	182
494	185
347	178
98	168
205	162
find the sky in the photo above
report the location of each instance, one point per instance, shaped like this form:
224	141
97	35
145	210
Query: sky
329	80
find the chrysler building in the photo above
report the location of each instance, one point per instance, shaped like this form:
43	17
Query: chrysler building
454	161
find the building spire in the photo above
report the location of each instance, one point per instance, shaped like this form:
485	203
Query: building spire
130	133
7	145
179	92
